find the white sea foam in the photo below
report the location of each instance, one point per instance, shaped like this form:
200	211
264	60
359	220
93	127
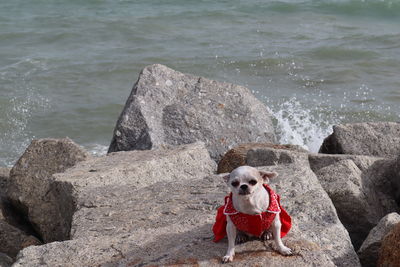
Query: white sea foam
23	101
299	125
96	149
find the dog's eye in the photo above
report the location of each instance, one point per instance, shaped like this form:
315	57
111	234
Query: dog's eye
253	182
235	183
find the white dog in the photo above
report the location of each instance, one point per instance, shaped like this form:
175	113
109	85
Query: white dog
253	208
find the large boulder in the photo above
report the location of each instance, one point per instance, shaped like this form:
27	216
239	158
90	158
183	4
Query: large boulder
126	216
369	251
238	156
167	107
12	239
381	139
29	189
360	189
95	178
389	253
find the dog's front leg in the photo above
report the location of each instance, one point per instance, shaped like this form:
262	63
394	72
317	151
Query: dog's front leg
276	232
231	233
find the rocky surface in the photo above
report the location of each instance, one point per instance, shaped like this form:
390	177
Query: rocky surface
381	139
395	179
139	221
167	107
12	239
360	189
5	260
156	205
238	156
369	250
389	253
4	176
80	186
30	186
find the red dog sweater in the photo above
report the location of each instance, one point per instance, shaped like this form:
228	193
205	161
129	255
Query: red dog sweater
251	224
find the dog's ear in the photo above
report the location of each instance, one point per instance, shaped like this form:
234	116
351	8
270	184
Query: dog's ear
267	175
225	176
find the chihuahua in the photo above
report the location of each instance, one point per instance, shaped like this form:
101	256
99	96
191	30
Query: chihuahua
252	208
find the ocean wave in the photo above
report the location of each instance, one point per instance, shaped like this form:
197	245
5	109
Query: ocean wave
388	9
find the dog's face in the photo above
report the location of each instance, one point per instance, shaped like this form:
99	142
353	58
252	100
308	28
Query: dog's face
245	180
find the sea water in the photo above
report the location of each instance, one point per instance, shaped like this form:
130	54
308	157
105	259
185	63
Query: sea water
67	67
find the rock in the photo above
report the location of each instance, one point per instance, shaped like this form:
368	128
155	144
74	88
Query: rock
381	139
30	190
148	248
12	240
4	176
121	222
5	261
167	107
368	253
360	189
389	253
88	178
395	179
15	232
238	156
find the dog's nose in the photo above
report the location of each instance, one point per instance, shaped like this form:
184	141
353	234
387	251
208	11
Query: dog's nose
243	186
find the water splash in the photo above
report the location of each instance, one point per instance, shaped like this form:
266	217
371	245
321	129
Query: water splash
299	125
20	101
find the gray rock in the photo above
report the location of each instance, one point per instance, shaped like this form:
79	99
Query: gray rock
4	176
167	107
135	169
29	188
191	247
12	240
395	179
381	139
238	156
5	261
360	189
121	223
269	156
369	251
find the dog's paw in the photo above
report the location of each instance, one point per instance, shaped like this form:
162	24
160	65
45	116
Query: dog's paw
285	251
266	236
227	258
241	238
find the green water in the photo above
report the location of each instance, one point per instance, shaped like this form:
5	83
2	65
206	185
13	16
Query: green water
67	67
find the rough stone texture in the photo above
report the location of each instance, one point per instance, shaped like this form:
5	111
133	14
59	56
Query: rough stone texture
136	169
121	223
5	260
360	189
169	107
237	156
12	240
29	188
189	248
389	253
369	251
4	176
381	139
395	179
